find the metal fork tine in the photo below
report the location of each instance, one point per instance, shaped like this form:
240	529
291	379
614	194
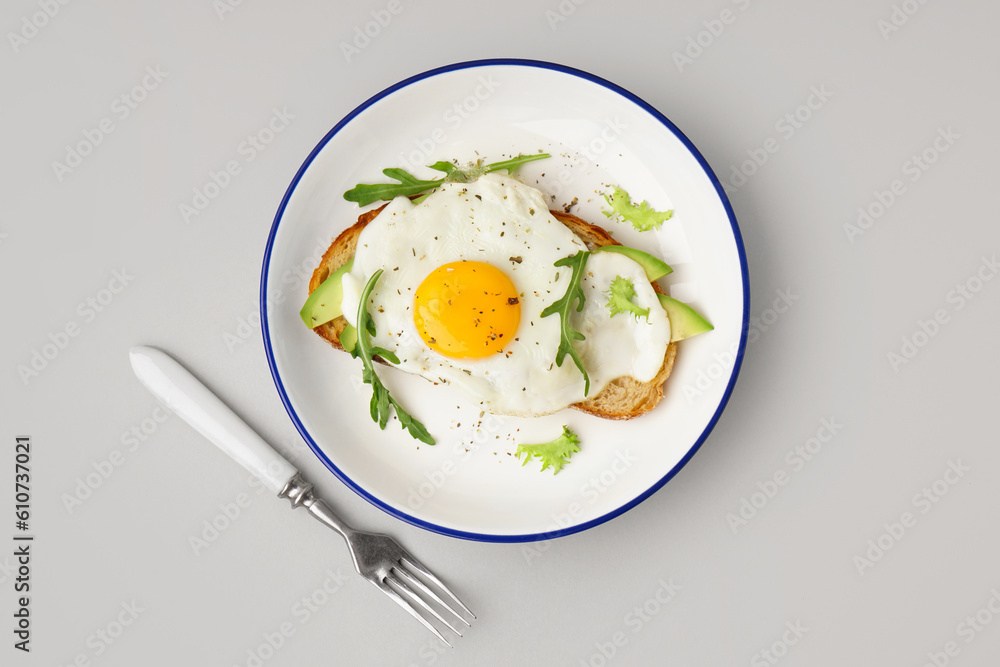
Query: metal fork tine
388	590
376	557
428	592
415	564
416	598
422	587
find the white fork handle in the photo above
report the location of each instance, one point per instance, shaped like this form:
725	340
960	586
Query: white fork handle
198	406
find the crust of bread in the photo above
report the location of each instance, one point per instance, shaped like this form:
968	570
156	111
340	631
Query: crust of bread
622	398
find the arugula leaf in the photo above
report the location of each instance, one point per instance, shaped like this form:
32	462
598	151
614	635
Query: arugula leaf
563	306
554	454
642	217
448	168
408	184
512	164
381	400
472	172
620	298
364	194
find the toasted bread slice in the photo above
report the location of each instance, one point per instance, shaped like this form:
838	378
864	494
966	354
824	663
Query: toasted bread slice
622	398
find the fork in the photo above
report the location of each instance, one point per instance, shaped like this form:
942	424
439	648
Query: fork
377	558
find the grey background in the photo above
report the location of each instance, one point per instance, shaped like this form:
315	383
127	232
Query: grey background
192	289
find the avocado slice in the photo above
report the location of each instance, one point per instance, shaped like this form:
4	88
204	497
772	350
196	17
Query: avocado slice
349	338
654	268
684	320
323	304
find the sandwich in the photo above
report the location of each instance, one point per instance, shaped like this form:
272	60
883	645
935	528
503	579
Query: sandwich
471	280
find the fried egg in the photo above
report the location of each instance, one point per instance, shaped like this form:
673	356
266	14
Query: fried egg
466	275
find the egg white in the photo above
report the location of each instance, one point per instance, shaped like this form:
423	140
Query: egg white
503	222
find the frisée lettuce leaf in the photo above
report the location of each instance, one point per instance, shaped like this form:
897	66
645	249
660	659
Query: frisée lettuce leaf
553	454
620	298
642	217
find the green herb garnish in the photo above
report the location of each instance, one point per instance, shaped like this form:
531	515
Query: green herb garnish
563	306
554	454
381	400
408	185
642	217
620	298
474	172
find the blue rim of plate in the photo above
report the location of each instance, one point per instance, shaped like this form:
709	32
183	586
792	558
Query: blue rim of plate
483	537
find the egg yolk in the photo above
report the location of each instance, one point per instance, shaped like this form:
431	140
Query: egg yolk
467	310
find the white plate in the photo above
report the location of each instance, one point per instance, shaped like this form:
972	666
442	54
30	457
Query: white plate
470	485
